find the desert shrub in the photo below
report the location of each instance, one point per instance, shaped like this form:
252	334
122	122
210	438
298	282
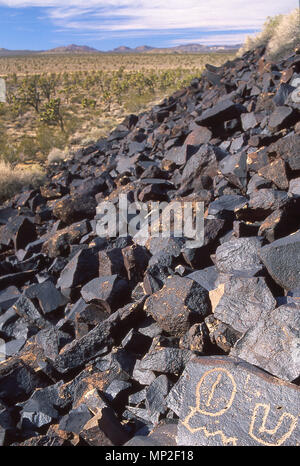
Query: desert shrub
280	35
56	155
286	36
27	148
14	179
48	138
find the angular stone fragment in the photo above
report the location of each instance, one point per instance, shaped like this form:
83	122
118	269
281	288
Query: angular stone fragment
25	308
165	360
18	380
181	303
282	260
257	182
48	296
109	292
225	401
280	223
273	343
104	429
135	261
116	388
180	154
282	94
223	111
19	231
244	301
156	393
281	118
288	149
226	204
262	203
111	263
42	407
72	209
87	318
75	420
248	121
82	268
257	159
222	335
98	341
276	172
8	297
294	187
201	168
51	341
200	135
234	168
162	435
196	339
155	192
59	242
155	277
239	254
206	277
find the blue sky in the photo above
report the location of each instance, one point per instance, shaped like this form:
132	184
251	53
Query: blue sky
105	24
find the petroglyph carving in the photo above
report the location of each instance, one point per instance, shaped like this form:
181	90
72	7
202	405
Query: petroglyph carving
270	437
215	393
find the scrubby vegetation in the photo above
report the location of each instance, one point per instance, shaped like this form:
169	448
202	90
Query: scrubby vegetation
280	35
13	179
86	97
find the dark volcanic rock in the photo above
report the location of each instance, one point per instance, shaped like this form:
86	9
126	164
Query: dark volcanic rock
19	231
165	360
282	259
273	343
241	254
281	118
48	296
288	149
72	209
275	172
244	301
178	305
109	292
165	434
223	111
229	402
82	268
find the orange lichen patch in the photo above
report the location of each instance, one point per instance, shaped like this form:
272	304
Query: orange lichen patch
286	75
167	165
99	381
55	430
276	172
71	235
254	156
121	190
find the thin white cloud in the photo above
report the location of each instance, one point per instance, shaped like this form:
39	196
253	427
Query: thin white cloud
155	15
215	39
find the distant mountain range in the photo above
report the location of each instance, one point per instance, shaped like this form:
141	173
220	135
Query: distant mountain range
80	49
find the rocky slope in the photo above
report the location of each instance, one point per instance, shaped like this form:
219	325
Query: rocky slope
114	341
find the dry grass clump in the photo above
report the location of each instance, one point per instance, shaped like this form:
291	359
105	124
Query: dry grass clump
280	35
56	156
14	179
